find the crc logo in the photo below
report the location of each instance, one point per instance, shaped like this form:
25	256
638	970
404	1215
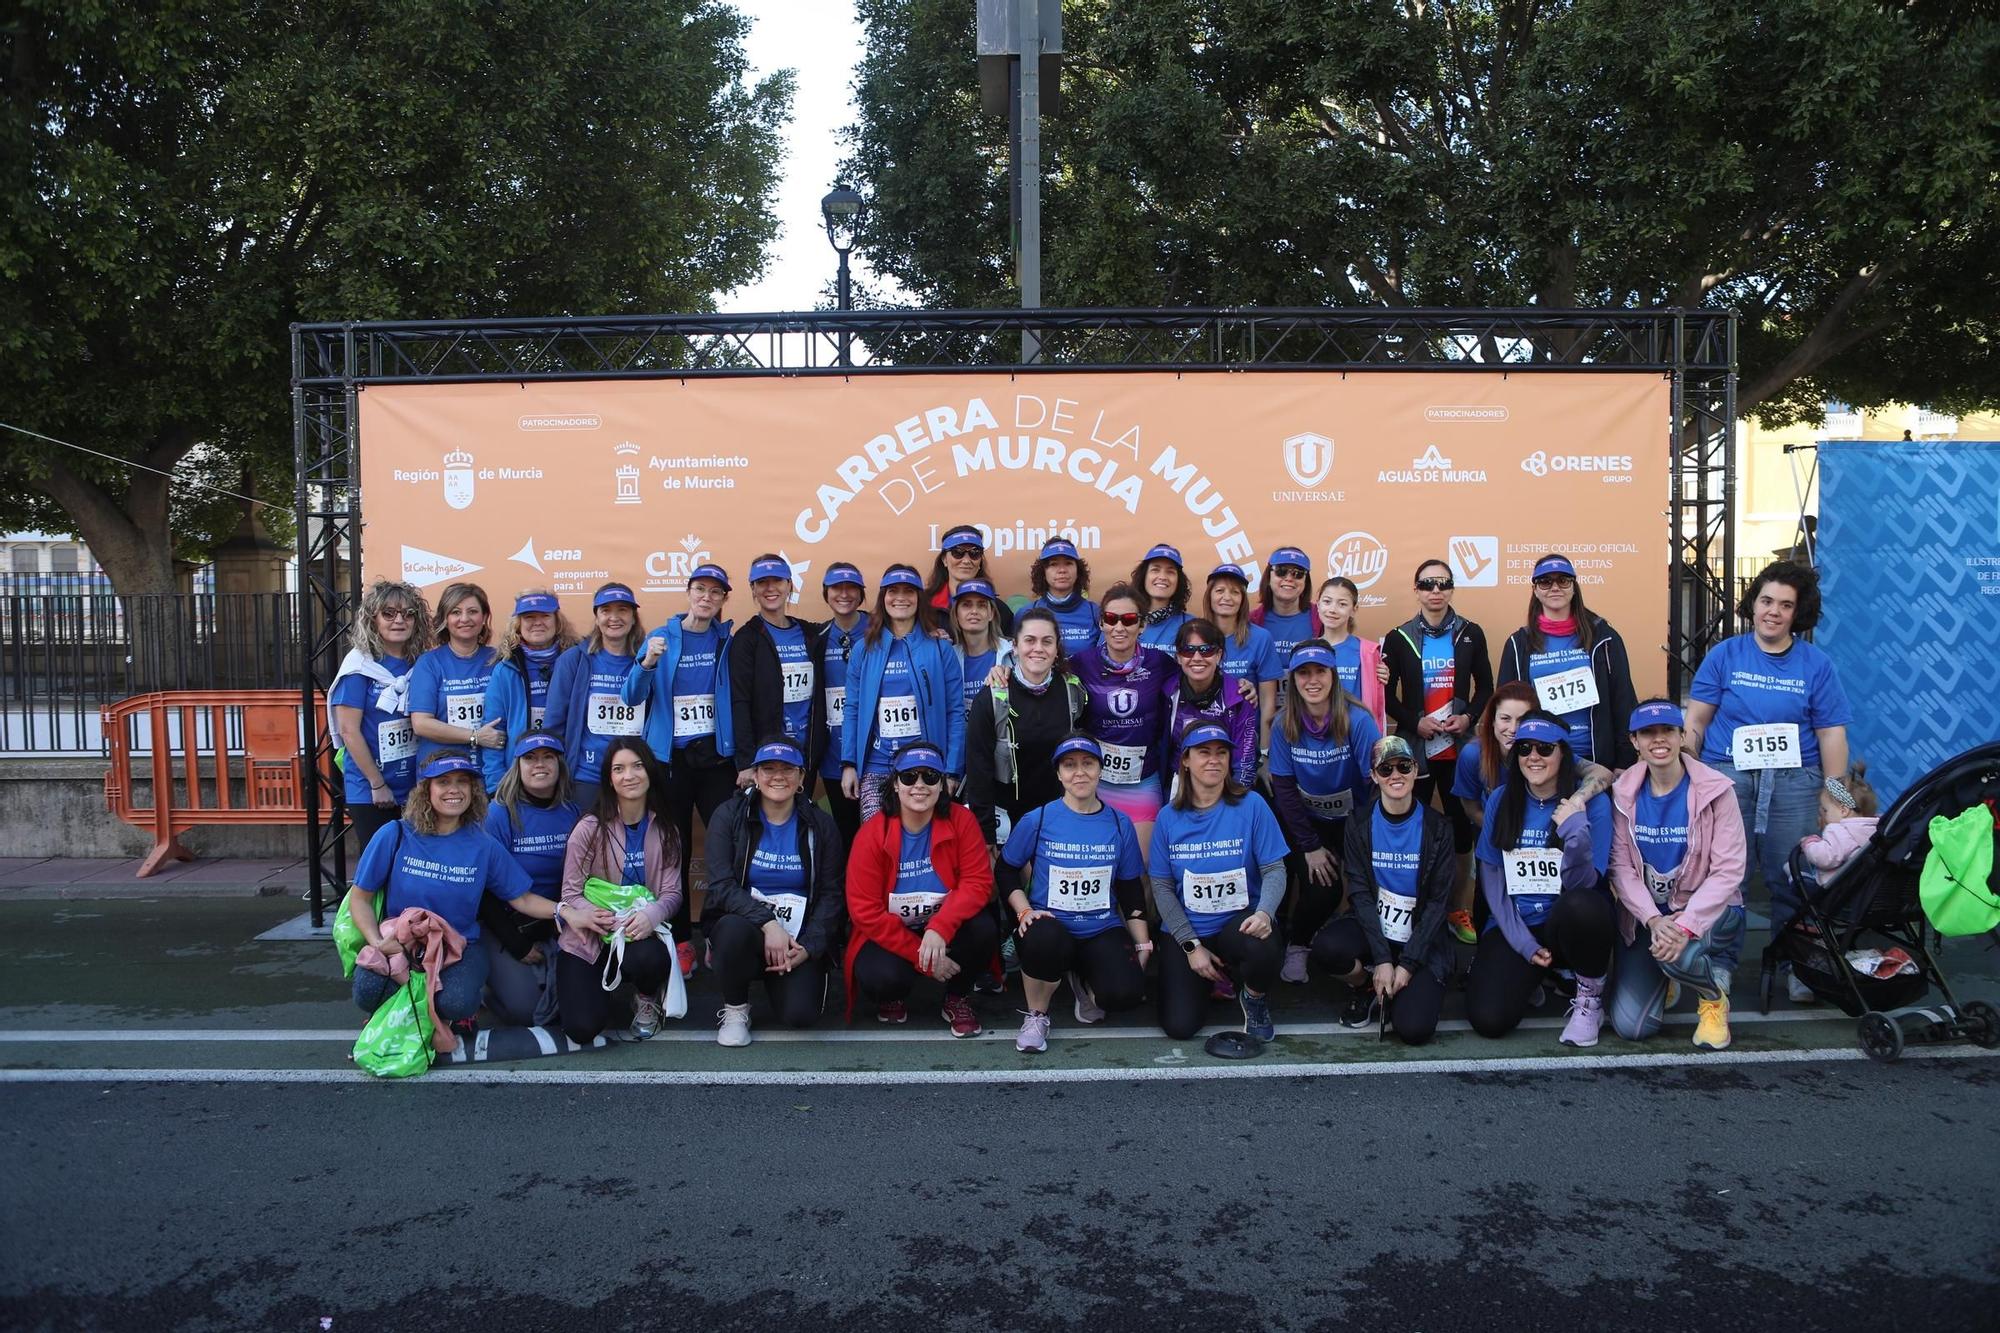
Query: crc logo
678	564
1475	561
1541	462
1308	457
458	479
1359	556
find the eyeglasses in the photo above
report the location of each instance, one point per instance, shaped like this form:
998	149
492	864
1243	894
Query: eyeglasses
1540	749
1554	581
1198	650
397	613
1397	767
1435	585
910	777
1120	617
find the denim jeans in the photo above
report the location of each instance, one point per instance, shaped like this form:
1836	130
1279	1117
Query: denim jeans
1780	806
1639	981
459	990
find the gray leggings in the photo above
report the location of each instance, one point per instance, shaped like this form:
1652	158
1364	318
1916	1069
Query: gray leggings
1639	981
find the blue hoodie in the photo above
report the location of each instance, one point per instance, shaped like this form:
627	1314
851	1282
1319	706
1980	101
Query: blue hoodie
654	686
939	682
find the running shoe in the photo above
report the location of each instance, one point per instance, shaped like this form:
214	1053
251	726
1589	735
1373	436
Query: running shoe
1222	988
986	983
733	1025
1799	992
1010	960
1033	1037
1586	1014
1294	969
685	951
1361	1007
1257	1015
1461	927
893	1012
1088	1010
958	1016
645	1015
1711	1028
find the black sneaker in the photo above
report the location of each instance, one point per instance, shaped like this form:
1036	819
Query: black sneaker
1361	1007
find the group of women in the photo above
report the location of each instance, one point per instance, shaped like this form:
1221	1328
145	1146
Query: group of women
1117	793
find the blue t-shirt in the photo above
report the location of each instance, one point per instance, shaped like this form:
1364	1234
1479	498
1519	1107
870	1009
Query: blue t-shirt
976	667
795	677
1347	664
1466	780
1398	847
1288	632
1161	636
634	866
606	716
1076	622
539	843
776	866
1537	831
1440	662
1252	662
918	891
1748	686
443	873
840	645
898	683
1333	776
1660	827
1212	857
694	677
379	730
1085	855
451	689
1560	653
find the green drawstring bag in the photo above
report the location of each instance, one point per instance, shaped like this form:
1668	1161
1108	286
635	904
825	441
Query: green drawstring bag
396	1041
347	938
614	897
1957	883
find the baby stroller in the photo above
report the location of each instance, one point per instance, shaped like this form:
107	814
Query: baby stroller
1873	898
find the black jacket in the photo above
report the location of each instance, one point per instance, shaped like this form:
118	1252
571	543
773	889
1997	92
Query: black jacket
1610	743
1472	674
1040	723
732	840
757	692
1430	944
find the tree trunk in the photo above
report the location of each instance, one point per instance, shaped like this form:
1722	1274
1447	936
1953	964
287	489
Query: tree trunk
130	539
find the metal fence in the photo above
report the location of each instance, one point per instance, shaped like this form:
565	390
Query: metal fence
63	656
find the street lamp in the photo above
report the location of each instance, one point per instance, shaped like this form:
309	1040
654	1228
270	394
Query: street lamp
844	210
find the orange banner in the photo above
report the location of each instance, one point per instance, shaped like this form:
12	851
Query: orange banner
568	485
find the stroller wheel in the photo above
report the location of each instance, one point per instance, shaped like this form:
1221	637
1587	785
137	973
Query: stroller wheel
1880	1038
1982	1023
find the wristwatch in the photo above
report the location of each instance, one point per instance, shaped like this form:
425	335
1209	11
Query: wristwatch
1189	946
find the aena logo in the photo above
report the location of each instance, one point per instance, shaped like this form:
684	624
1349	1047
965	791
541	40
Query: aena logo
1359	556
1308	457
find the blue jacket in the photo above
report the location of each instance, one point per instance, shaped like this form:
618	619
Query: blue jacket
507	704
567	713
939	682
655	687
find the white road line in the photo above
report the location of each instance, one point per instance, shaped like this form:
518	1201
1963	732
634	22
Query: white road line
490	1074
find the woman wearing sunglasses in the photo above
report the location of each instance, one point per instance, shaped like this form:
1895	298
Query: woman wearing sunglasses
1282	609
1319	776
1392	949
902	682
1482	760
369	705
1082	911
1542	857
1206	694
961	556
1217	874
1248	656
919	882
1576	663
1161	585
1128	686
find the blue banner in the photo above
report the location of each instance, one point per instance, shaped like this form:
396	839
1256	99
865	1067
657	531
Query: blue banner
1909	562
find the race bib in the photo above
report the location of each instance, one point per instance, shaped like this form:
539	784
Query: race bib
1216	891
788	908
798	680
611	716
694	715
915	909
896	717
464	710
1123	764
535	716
1397	912
1085	889
1443	740
1335	806
1568	691
836	705
1660	884
394	740
1535	873
1766	745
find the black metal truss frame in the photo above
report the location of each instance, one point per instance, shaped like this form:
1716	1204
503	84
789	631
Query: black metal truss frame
1696	348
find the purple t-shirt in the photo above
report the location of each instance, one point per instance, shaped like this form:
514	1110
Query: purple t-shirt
1127	705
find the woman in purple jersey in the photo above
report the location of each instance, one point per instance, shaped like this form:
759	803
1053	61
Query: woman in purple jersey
1127	687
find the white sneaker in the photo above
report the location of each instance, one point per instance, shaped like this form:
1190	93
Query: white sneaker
734	1029
1799	992
646	1015
1034	1035
1088	1010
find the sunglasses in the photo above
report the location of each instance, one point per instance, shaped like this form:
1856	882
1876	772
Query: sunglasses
397	613
1287	572
1198	650
962	553
1435	585
1540	749
1120	617
910	777
1397	767
1554	581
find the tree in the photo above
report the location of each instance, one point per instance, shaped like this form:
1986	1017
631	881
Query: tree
1828	169
183	180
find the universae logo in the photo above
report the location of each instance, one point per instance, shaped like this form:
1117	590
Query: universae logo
1308	457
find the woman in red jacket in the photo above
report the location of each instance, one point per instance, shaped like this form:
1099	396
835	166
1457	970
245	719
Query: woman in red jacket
918	885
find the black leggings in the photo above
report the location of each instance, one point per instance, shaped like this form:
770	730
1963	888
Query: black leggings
368	820
846	814
1578	935
1104	960
586	1008
886	977
1252	964
1310	905
1443	772
736	951
1413	1013
691	789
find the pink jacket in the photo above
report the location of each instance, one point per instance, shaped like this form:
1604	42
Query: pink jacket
587	855
1835	845
1374	694
1711	874
433	941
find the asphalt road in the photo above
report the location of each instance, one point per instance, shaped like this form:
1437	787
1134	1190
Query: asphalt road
1798	1197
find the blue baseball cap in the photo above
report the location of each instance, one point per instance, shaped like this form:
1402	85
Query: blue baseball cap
1164	552
613	593
1058	547
839	574
902	578
537	740
1311	653
779	752
1656	715
713	573
528	603
1290	555
921	755
1229	572
1554	564
1538	729
1201	733
769	568
976	588
963	535
447	761
1078	745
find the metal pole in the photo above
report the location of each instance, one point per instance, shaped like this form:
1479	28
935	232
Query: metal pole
1028	260
846	304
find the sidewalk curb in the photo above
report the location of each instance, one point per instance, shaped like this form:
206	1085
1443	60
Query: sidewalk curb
140	889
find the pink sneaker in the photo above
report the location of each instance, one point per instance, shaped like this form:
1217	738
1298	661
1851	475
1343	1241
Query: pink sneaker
893	1012
1586	1013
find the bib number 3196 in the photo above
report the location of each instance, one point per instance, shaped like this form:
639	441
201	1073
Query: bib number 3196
1534	873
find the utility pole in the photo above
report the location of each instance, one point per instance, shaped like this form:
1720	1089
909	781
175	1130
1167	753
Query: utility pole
1020	54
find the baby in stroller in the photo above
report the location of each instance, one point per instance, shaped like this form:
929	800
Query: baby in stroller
1847	820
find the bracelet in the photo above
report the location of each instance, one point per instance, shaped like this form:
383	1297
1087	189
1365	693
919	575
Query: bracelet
556	916
1143	946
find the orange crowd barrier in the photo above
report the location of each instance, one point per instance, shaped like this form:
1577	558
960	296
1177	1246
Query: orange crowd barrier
195	738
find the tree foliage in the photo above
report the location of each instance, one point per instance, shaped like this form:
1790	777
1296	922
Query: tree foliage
186	178
1825	167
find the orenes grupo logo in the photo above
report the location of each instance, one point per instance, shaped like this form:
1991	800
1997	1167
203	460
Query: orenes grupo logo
1541	463
458	479
1308	457
1359	556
